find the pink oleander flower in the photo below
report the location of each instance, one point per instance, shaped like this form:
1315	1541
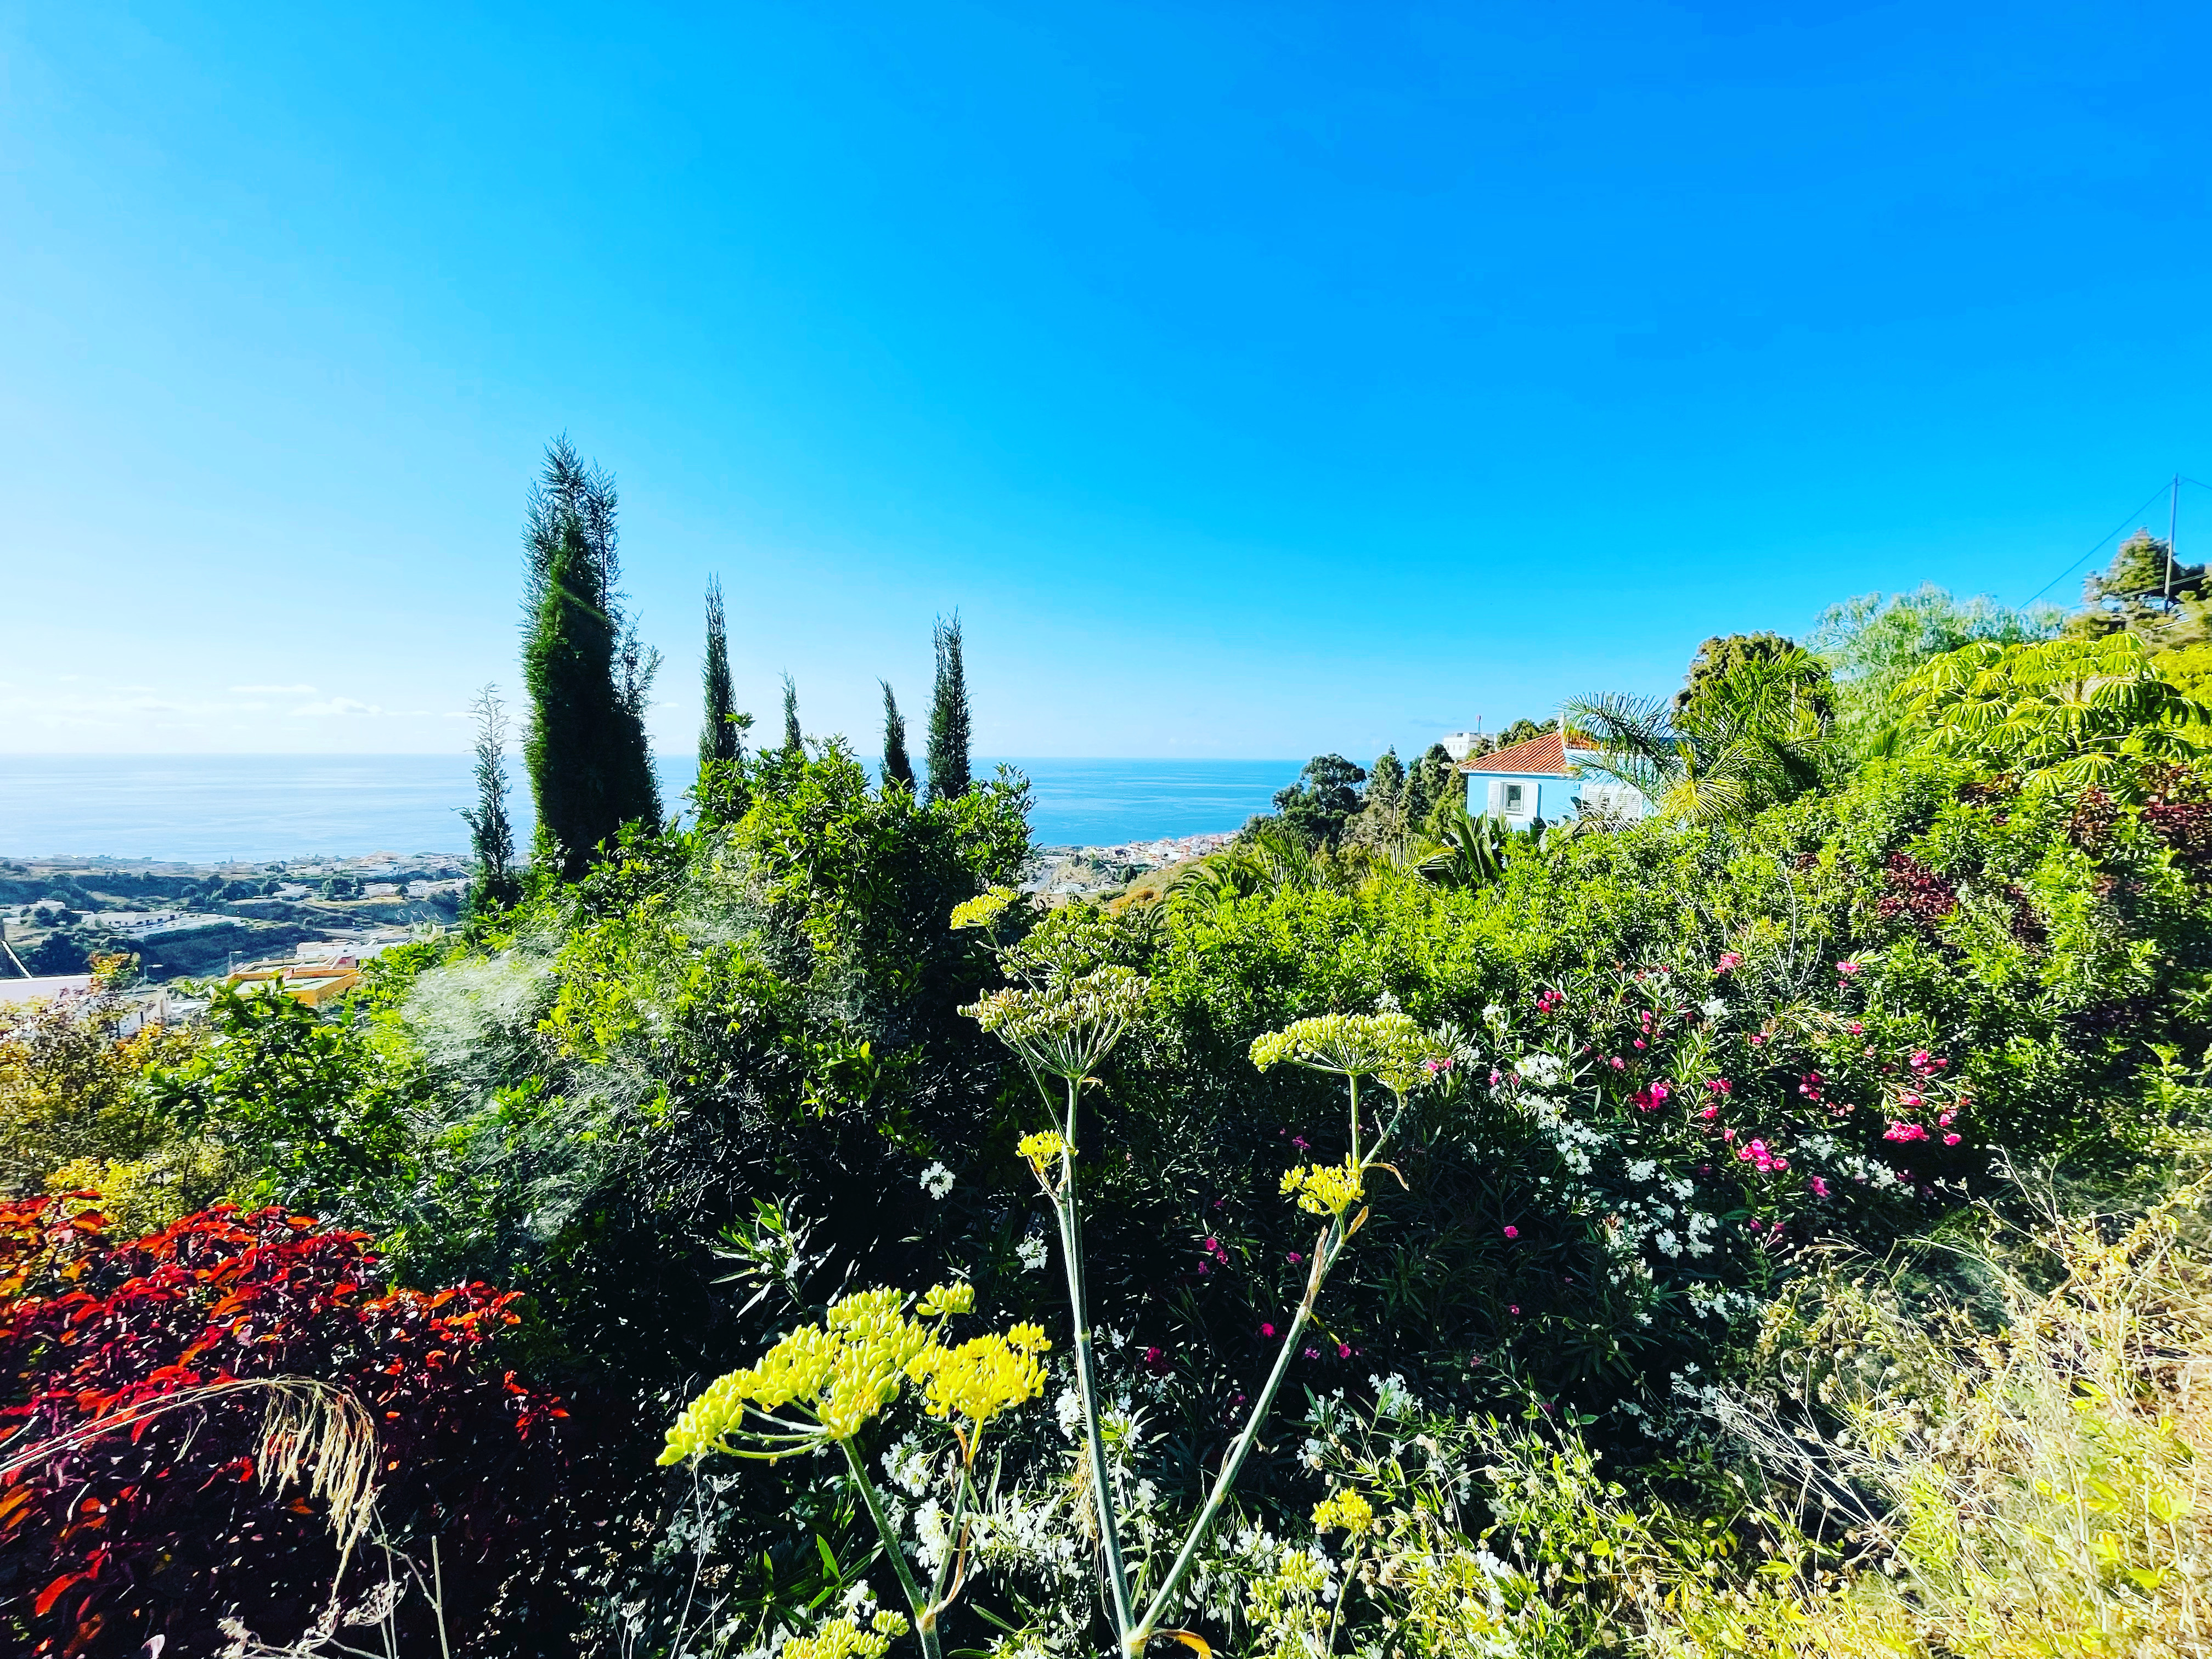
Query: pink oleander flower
1639	1042
1313	1353
1710	1113
1514	1308
1950	1140
1728	963
1296	1257
1850	969
1905	1132
1267	1330
1718	1085
1756	1040
1819	1187
1619	1064
1344	1351
1513	1233
1856	1029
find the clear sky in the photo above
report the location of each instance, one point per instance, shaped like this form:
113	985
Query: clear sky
1256	379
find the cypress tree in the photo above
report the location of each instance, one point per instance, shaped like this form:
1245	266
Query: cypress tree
491	832
588	677
719	736
949	717
897	769
791	744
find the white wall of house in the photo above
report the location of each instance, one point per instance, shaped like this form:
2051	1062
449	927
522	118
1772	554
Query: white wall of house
1519	801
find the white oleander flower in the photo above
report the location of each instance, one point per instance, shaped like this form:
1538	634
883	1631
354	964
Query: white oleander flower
1032	1252
1541	1069
937	1181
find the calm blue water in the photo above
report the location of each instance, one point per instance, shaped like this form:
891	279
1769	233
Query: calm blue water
203	809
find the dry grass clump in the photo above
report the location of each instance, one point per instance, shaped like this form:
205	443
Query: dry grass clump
2036	1486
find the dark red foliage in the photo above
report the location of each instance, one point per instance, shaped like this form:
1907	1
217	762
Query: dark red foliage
2179	814
164	1529
1913	892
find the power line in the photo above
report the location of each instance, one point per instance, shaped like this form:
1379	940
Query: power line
2132	516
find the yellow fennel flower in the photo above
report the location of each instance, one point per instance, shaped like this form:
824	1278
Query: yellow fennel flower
1347	1509
1389	1046
842	1373
1041	1150
1065	1028
944	1300
977	1380
984	908
1325	1188
841	1638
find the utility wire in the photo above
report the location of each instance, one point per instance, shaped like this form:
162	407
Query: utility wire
2132	516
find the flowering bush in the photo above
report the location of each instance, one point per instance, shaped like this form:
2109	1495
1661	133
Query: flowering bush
168	1526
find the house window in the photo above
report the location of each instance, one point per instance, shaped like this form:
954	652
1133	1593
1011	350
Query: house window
1514	798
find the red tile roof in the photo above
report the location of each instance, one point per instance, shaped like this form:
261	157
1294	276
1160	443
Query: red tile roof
1544	756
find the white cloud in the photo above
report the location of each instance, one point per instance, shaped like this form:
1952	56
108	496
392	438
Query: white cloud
355	708
276	690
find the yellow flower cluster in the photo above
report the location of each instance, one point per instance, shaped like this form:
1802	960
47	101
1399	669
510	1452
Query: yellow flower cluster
844	1371
1325	1188
983	1377
944	1300
1042	1151
986	907
842	1638
1345	1509
1387	1046
1065	1028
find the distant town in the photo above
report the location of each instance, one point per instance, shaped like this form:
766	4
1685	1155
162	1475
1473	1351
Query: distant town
201	921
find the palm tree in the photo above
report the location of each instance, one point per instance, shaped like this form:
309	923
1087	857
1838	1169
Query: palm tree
1762	733
1470	855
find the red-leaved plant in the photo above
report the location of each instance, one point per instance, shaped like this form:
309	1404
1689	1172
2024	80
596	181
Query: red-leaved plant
164	1526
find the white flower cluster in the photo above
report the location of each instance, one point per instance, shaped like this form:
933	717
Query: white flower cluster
1031	1252
1712	1301
910	1465
1393	1398
1542	1070
1849	1166
937	1181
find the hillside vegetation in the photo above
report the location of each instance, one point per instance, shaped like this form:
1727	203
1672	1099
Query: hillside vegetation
1777	1226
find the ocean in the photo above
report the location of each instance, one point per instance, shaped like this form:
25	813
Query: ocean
205	809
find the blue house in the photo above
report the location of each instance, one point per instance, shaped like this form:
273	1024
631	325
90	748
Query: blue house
1542	779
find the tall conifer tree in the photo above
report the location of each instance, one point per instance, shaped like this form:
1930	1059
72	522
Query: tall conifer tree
948	717
897	769
793	743
589	678
719	739
491	831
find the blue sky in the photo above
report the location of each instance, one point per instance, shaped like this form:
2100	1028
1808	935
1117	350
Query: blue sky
1257	380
